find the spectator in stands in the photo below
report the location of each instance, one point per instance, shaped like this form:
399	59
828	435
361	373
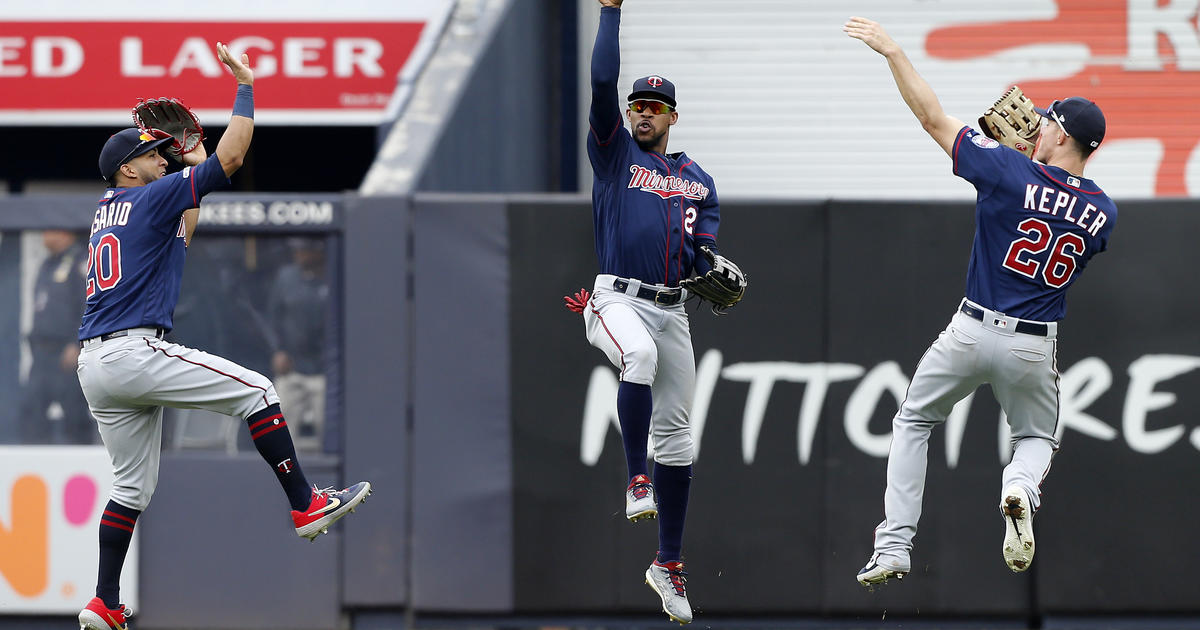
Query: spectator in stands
52	407
296	309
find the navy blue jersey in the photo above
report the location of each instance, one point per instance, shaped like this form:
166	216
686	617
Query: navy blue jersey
651	211
136	250
1036	227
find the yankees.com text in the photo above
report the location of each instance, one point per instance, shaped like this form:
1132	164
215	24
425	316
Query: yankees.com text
1080	385
261	213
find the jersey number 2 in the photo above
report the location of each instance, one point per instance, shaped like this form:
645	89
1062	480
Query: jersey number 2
104	264
1060	266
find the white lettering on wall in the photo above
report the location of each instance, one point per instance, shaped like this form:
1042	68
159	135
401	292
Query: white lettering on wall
1079	387
1147	20
1144	374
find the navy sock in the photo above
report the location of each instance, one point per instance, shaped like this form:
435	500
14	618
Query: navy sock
672	484
274	442
116	530
634	404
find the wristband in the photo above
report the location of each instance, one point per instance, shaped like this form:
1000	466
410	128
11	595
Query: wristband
243	105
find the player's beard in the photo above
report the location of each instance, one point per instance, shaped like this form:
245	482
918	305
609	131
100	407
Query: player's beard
648	142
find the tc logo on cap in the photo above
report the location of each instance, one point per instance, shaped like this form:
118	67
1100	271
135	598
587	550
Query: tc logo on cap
654	81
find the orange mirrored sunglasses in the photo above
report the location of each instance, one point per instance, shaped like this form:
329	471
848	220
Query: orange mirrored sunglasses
655	107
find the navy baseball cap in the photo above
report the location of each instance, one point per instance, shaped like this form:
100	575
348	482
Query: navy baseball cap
655	88
1079	117
123	146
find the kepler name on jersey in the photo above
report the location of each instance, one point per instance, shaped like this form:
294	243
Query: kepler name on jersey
1050	200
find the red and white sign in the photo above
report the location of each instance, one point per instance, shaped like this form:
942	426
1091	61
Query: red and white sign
93	72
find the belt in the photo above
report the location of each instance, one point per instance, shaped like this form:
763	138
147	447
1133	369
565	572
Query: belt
157	332
1024	327
666	297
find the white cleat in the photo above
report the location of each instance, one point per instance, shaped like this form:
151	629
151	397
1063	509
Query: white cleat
1018	529
874	574
669	581
639	499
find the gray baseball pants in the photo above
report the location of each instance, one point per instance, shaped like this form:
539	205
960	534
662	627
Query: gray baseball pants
652	345
1022	371
128	380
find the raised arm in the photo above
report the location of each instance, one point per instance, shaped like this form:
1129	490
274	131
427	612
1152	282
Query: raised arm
231	150
606	68
913	88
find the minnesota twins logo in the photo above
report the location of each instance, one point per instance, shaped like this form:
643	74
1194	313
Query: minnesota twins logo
285	466
654	81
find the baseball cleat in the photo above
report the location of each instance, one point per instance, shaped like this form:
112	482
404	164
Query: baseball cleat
1018	529
97	616
327	507
639	499
669	581
874	573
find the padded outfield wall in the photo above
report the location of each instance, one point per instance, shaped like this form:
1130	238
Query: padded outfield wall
473	401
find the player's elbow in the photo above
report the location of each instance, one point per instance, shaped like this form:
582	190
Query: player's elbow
230	164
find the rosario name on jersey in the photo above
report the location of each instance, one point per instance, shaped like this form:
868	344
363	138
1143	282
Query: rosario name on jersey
136	250
1036	227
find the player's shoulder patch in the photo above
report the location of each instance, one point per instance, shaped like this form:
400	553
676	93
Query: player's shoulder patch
983	141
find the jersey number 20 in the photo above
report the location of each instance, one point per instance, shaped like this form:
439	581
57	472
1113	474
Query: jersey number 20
104	264
1060	266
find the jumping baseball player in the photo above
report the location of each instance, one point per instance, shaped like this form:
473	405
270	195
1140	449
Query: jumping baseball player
653	213
1038	222
129	373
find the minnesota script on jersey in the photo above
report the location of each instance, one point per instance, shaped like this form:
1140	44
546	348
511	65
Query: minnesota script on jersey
1036	228
133	272
651	211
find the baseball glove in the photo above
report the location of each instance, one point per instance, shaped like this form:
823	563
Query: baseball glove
171	116
1012	121
724	285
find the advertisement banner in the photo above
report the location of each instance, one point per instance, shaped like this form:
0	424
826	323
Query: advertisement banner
51	499
332	65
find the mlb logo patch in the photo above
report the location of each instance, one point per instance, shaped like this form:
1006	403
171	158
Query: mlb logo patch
984	142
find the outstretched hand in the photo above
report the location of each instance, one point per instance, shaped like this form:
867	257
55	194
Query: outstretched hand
240	67
872	34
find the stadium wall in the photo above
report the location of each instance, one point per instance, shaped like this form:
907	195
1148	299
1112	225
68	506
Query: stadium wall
474	403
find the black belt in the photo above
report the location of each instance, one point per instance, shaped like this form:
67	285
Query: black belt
158	332
1023	327
666	297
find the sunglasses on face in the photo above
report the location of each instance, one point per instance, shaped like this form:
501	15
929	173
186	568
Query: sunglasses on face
1054	115
654	107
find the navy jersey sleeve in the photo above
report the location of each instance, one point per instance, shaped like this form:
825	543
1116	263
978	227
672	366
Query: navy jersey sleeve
708	222
171	195
606	134
981	160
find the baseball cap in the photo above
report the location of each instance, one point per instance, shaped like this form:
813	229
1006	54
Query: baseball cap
123	146
653	87
1081	118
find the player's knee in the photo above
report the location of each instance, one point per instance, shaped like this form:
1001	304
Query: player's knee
674	447
137	498
641	361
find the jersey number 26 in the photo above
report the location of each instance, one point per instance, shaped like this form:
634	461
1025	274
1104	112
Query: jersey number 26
1060	265
104	264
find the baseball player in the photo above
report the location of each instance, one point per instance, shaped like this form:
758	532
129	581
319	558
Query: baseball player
129	373
653	212
1038	222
